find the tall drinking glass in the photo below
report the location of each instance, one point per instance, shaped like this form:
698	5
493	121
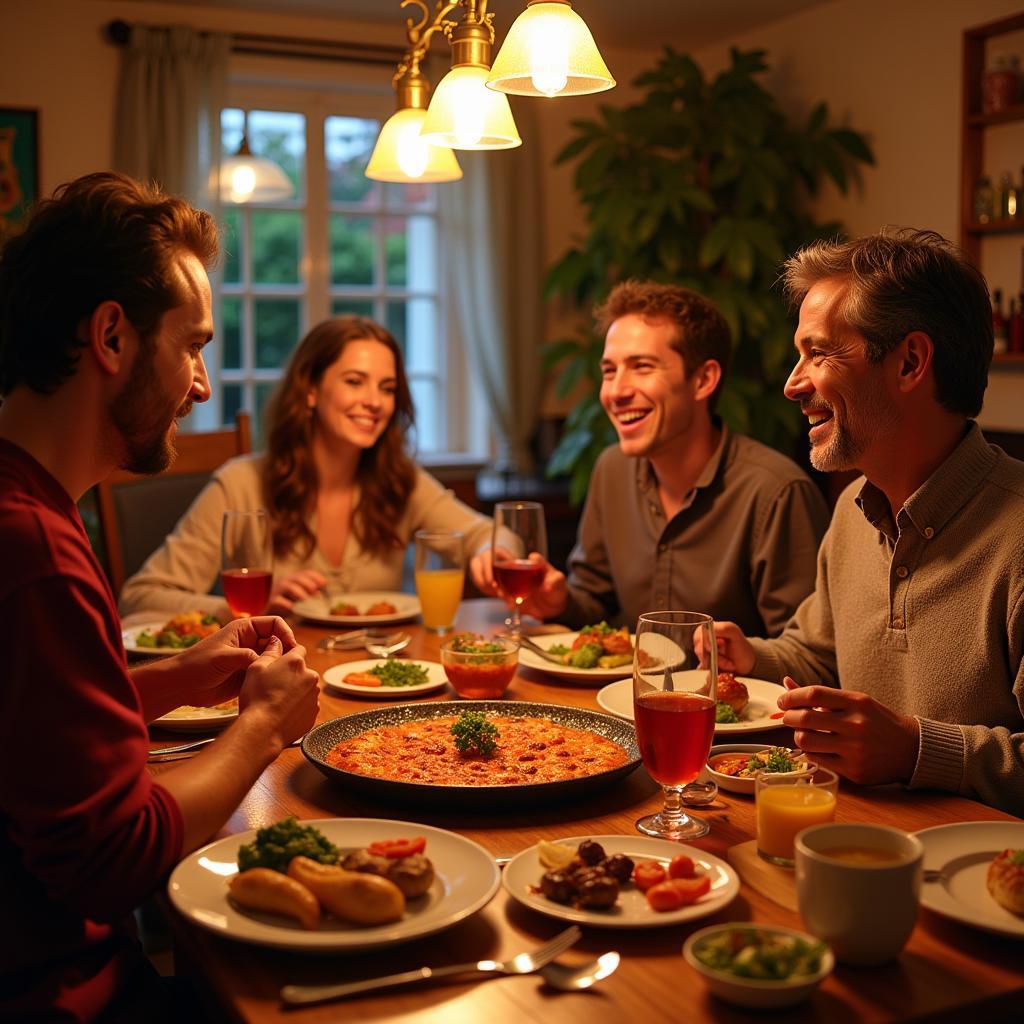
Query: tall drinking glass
246	561
519	531
674	711
439	569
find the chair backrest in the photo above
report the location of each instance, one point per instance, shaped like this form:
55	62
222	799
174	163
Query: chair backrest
137	512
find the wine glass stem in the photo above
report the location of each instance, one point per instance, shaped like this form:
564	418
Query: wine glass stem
673	811
515	621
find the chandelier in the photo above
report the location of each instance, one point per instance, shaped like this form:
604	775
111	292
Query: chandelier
548	51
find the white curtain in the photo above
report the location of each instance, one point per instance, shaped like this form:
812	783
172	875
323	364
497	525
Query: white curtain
173	85
491	221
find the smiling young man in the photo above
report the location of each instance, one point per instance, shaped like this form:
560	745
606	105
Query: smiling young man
682	513
104	314
916	625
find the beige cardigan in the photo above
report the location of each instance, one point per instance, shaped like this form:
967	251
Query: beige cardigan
927	616
179	575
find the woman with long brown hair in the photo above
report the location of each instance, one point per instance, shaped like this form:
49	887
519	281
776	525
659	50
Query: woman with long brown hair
343	494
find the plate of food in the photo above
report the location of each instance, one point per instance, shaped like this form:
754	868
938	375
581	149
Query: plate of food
733	766
386	678
592	655
170	636
744	704
367	608
475	754
620	881
189	718
981	874
336	884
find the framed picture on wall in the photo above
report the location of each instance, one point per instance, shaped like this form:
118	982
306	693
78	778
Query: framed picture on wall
19	165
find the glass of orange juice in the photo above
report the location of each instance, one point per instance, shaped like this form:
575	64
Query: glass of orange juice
439	569
787	805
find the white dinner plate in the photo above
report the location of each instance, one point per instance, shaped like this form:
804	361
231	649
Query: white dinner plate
197	719
963	852
529	659
335	677
131	637
632	909
466	879
617	699
318	608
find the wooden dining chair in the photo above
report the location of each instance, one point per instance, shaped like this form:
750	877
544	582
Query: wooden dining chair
137	512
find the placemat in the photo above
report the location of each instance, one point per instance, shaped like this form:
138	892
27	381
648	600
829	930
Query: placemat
778	884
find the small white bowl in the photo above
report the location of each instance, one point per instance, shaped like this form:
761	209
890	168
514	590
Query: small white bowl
754	993
729	782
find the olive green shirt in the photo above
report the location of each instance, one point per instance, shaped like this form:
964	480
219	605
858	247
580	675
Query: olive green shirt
743	548
926	615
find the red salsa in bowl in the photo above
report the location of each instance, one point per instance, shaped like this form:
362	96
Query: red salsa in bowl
479	668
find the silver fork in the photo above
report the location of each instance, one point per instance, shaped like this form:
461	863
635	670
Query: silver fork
524	963
525	641
356	638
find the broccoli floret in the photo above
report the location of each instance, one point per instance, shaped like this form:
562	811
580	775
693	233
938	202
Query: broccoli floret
724	714
586	656
275	845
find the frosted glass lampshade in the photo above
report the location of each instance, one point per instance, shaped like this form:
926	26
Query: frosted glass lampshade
549	51
245	178
402	154
465	114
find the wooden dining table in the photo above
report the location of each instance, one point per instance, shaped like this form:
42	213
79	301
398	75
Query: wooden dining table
947	971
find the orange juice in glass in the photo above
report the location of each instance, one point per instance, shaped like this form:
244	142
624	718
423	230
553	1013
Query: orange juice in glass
786	806
439	572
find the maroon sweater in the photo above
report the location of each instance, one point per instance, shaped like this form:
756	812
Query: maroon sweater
85	834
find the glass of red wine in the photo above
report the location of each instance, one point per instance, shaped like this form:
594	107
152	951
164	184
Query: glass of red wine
674	689
246	561
519	531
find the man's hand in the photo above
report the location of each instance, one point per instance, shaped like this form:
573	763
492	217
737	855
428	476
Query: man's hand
212	670
546	602
735	653
287	591
851	733
281	689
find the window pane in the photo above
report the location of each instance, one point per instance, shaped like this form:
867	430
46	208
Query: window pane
282	138
410	251
277	331
419	194
358	307
276	246
428	415
232	121
231	332
352	250
232	241
348	142
414	323
231	401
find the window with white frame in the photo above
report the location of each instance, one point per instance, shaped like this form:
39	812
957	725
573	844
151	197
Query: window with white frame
341	244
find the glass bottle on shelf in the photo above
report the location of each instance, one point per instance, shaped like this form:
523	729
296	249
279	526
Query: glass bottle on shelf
1007	197
984	200
999	85
999	323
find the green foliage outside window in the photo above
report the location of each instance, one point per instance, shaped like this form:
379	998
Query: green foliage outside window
702	183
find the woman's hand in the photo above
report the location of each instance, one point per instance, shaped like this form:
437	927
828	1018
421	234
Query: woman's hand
287	591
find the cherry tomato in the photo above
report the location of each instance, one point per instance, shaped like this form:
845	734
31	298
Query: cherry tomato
397	848
681	866
648	873
691	889
664	897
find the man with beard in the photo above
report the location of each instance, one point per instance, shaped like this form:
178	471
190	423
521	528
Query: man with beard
682	513
104	313
906	664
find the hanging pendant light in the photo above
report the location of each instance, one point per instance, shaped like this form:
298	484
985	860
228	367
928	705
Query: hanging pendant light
464	113
401	154
549	51
247	178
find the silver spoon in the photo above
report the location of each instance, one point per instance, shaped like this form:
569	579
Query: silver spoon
572	979
393	645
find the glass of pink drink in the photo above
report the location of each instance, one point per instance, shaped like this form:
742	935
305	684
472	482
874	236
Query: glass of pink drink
246	561
519	532
674	689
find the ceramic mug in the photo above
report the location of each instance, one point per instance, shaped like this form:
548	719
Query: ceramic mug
858	887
